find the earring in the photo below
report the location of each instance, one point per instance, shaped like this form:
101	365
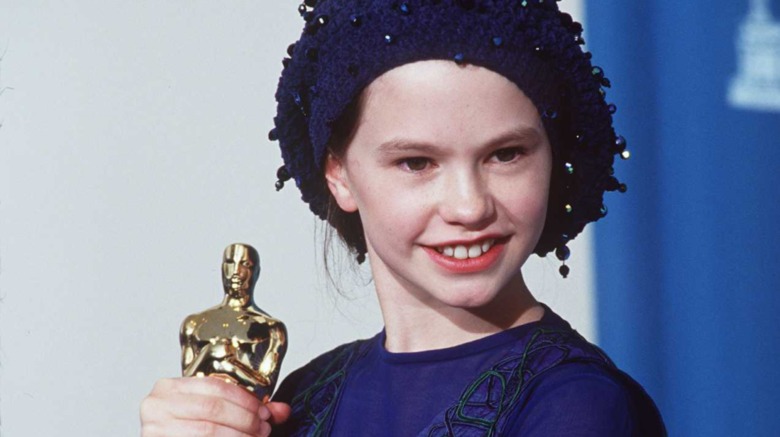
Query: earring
563	253
283	176
564	270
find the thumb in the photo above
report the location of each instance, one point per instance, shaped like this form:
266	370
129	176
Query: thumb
280	412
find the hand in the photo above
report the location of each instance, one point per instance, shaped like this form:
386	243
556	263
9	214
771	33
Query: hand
207	407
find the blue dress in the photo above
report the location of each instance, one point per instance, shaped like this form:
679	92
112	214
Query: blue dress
538	379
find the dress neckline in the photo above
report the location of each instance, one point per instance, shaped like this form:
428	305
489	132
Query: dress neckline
467	349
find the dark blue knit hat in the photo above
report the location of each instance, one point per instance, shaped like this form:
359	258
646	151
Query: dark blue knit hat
346	44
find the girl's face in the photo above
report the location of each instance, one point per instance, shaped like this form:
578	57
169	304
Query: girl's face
449	167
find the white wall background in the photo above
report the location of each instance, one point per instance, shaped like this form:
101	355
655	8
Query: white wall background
132	150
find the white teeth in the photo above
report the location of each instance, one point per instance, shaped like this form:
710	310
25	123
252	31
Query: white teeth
462	252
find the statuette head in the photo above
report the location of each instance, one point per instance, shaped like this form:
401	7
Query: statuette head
240	270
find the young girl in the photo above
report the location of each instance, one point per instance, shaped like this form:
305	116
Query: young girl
448	140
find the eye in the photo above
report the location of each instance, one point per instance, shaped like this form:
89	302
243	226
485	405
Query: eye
508	154
246	264
415	164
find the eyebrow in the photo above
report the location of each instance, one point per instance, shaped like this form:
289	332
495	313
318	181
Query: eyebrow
395	146
526	135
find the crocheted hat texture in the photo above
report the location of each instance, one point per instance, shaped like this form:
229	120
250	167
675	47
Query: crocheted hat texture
346	44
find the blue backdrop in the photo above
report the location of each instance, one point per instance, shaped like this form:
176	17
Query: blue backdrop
688	279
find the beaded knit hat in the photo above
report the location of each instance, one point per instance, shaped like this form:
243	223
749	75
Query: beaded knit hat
346	44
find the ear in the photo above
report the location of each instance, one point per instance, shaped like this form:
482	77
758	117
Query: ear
338	183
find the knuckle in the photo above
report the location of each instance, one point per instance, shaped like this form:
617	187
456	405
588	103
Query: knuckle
255	424
224	390
148	408
212	407
162	385
211	385
218	386
263	413
205	429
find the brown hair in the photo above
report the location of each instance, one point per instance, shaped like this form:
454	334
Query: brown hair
347	224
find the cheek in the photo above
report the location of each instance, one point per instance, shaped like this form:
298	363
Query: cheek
526	201
530	210
386	208
391	213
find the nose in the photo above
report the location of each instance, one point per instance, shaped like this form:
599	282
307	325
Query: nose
466	200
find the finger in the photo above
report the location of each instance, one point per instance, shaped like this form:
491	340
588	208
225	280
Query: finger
184	428
279	412
209	387
196	407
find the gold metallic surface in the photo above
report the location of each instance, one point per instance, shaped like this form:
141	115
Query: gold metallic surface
236	340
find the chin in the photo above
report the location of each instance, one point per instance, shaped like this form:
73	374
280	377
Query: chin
470	297
483	292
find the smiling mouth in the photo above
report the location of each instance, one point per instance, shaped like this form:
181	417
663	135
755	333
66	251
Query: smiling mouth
466	251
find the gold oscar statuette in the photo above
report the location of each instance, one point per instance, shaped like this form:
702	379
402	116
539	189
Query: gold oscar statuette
235	341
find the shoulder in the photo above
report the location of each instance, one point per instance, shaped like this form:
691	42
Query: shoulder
572	388
587	399
580	385
527	386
